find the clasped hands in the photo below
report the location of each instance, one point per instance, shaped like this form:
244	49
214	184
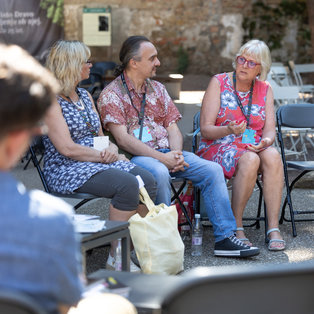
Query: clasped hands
111	154
175	161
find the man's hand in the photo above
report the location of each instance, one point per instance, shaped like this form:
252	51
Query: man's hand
237	128
174	161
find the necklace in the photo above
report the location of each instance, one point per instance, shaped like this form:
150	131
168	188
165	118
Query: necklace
79	104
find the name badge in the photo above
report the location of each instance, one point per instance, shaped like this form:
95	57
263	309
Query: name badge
248	136
146	134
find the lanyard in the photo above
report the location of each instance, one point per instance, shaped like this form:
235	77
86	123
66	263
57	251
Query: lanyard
83	115
239	101
140	114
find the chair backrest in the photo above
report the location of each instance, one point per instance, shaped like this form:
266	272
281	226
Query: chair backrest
296	115
196	131
18	303
299	69
280	289
281	75
37	144
283	94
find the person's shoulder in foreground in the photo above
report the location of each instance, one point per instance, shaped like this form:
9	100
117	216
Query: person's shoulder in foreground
38	252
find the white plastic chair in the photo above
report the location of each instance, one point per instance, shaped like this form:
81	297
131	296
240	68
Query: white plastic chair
298	70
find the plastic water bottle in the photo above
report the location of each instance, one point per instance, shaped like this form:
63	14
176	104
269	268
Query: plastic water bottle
197	236
185	229
118	261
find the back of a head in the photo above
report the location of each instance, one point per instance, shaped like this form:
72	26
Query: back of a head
27	89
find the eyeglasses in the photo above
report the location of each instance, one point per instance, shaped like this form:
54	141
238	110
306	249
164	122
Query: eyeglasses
250	64
88	62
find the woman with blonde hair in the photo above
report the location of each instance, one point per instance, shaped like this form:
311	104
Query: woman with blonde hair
72	164
238	128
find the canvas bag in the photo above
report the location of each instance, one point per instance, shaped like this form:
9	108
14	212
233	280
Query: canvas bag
157	242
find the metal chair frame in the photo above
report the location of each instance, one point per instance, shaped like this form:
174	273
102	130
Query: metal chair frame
298	116
85	197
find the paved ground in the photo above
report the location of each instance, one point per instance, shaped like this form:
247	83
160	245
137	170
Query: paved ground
300	248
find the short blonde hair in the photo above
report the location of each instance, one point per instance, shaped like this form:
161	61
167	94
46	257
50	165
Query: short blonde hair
260	52
65	60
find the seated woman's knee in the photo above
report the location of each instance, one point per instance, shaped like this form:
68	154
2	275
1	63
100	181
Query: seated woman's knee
249	162
270	157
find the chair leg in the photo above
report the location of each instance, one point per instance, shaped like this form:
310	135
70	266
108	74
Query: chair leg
176	195
289	201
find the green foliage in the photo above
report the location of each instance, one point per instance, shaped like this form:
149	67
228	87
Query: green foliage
269	22
54	10
183	60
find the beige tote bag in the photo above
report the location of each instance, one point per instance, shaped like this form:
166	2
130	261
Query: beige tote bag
156	239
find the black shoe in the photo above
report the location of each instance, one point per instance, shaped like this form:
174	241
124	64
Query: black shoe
232	246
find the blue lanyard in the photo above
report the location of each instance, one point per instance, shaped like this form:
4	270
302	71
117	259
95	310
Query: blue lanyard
247	117
143	103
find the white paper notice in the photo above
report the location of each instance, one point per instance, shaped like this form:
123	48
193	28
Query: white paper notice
89	226
101	142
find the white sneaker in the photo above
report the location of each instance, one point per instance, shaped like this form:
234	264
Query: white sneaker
111	265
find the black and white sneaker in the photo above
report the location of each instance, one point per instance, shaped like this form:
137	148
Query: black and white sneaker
233	247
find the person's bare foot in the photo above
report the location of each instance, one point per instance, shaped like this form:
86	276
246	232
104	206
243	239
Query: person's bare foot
241	236
276	243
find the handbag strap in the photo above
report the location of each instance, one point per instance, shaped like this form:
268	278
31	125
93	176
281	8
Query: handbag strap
146	200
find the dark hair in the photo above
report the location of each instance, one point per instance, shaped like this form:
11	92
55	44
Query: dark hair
27	89
128	51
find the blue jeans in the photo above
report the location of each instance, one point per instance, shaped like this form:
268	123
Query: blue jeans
208	177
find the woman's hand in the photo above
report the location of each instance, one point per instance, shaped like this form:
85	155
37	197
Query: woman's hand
107	157
122	157
237	128
265	142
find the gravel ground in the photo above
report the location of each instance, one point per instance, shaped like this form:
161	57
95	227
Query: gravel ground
300	248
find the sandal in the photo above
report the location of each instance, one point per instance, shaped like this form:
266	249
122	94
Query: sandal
246	241
270	241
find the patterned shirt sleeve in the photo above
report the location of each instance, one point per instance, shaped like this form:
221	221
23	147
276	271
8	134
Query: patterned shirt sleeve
111	109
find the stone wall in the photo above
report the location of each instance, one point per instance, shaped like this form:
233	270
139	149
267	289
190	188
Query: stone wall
210	31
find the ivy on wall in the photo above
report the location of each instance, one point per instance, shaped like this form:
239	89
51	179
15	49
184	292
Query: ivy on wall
269	22
54	10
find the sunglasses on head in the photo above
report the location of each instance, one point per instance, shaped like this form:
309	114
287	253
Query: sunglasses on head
251	64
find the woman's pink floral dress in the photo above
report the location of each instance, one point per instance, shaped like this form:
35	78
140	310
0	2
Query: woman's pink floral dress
227	150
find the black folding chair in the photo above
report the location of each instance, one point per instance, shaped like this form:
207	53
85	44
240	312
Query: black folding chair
37	145
294	116
258	218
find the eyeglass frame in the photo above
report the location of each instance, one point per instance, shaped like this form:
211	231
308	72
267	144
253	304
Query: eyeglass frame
248	62
88	61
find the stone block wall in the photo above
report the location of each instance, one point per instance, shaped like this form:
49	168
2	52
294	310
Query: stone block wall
210	31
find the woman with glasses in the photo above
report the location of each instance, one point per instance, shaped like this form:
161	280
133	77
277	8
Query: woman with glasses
73	163
238	128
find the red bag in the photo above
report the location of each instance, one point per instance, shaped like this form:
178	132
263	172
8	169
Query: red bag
187	198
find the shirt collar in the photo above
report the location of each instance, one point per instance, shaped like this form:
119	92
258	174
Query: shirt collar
131	87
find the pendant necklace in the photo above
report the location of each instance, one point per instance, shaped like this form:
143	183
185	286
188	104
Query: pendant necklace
79	104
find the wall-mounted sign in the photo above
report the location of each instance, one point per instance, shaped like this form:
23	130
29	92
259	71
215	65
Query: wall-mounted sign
97	26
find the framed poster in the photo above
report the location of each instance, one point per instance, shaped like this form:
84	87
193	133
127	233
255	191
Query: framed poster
97	26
